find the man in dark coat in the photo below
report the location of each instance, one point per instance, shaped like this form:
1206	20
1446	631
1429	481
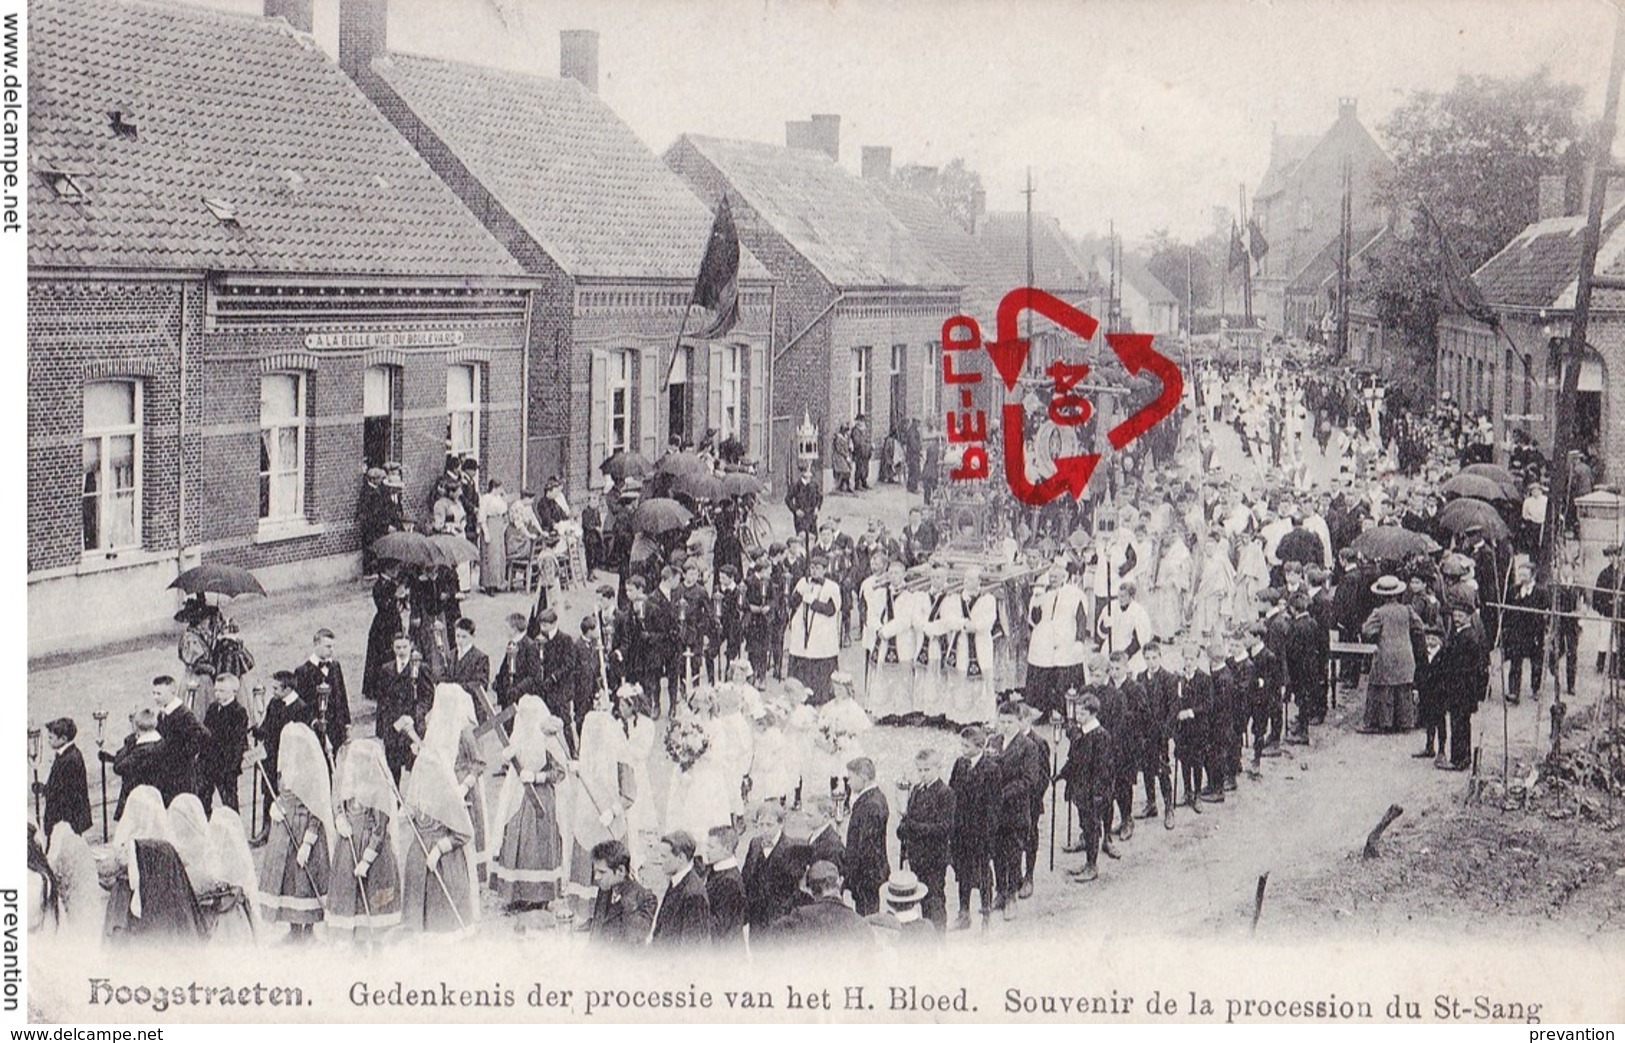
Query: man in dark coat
913	451
332	704
804	498
1432	689
561	665
774	865
1222	765
975	785
1038	766
623	912
469	667
1113	714
521	671
684	917
390	601
663	639
183	736
1265	688
1150	698
405	690
1089	774
1013	807
867	863
1464	664
1187	724
220	760
1523	631
67	788
285	707
375	514
825	919
1606	600
725	887
825	841
1307	649
925	834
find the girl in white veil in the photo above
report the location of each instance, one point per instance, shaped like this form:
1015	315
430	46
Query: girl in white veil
433	840
366	893
449	730
297	862
189	829
604	787
81	897
529	868
231	866
151	899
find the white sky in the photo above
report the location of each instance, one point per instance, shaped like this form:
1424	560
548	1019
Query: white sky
1144	113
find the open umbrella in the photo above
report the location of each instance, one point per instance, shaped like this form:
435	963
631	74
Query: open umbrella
681	463
660	515
1500	476
1462	514
452	550
407	548
218	579
625	463
1392	543
699	485
1476	486
739	483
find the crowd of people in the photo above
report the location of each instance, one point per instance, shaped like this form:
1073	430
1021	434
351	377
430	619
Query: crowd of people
1142	639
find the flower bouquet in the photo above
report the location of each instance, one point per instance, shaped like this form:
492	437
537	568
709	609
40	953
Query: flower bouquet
686	742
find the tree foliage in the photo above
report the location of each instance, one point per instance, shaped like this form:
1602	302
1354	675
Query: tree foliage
1167	260
955	187
1472	156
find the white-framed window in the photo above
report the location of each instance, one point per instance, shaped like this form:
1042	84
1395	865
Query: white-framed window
931	382
463	409
860	381
733	384
620	401
282	446
111	507
380	426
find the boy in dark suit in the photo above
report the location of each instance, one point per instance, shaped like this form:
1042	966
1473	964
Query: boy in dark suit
469	667
925	834
521	670
684	917
329	704
220	761
976	788
183	735
725	887
623	912
67	788
1089	774
867	864
774	864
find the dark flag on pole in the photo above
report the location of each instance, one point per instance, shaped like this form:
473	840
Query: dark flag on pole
1459	290
1238	252
1257	245
717	288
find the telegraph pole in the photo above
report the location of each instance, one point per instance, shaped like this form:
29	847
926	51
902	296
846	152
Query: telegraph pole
1574	354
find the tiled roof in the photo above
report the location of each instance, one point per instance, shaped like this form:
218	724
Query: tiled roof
1139	276
1286	152
1058	265
939	232
826	214
564	166
1539	267
234	109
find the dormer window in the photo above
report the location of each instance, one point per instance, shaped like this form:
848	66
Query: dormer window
124	124
64	185
223	211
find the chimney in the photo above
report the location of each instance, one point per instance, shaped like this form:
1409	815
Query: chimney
1346	108
877	162
1551	197
363	35
978	207
819	134
299	14
578	57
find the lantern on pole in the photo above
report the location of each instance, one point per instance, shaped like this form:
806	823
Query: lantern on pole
36	739
101	744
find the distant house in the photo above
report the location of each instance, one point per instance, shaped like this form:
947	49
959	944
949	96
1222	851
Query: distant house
860	301
614	237
1059	266
1147	305
1299	207
1531	285
244	287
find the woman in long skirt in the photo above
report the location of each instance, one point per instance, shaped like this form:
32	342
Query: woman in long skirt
529	867
366	895
449	729
433	844
294	874
494	539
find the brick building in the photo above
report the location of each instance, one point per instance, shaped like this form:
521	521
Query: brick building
614	237
243	286
1299	208
860	302
1514	375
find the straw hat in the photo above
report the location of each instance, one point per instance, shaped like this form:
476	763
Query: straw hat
1388	586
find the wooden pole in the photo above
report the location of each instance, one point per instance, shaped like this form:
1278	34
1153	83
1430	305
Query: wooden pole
1370	851
1258	900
